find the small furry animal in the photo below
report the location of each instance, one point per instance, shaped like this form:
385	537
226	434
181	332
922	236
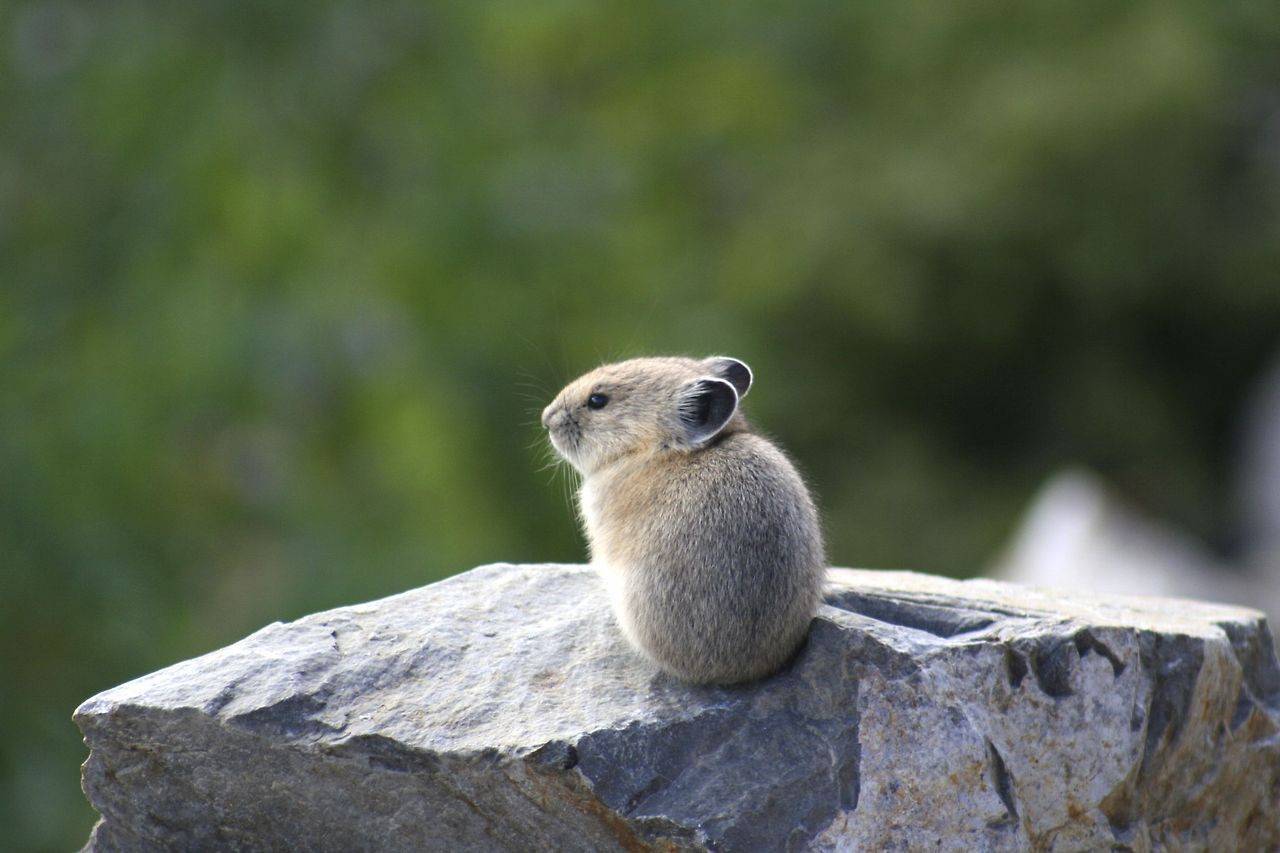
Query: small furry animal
705	534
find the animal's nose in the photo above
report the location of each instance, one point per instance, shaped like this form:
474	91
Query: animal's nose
547	413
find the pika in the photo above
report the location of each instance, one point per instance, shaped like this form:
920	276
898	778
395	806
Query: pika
705	534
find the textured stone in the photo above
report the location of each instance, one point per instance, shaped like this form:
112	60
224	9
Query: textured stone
500	710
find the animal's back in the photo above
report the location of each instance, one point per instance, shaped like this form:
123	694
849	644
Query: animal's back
718	556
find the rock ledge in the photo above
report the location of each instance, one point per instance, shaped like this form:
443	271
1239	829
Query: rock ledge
498	709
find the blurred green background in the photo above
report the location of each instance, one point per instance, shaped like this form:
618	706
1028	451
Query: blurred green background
284	286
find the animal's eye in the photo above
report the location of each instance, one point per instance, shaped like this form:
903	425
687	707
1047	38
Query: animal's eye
597	401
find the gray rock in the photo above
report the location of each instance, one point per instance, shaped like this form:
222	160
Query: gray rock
500	710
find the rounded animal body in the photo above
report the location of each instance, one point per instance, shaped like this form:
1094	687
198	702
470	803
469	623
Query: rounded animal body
705	534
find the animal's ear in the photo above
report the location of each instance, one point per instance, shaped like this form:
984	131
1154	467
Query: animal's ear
735	372
706	405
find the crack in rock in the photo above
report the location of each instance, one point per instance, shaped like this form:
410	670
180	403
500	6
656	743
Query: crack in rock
1002	781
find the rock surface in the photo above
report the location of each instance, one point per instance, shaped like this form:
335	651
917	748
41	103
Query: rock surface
500	710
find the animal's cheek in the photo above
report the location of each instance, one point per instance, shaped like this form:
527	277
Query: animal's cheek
610	433
648	434
632	437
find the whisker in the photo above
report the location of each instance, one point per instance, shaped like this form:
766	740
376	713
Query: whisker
569	491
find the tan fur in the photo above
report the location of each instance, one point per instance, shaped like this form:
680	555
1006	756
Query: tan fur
710	544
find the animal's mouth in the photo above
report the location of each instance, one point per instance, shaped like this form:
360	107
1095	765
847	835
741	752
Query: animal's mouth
565	438
559	444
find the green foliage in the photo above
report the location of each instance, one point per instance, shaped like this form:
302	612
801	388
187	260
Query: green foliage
284	286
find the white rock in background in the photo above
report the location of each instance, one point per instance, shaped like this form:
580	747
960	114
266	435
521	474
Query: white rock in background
1259	481
1077	536
500	710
